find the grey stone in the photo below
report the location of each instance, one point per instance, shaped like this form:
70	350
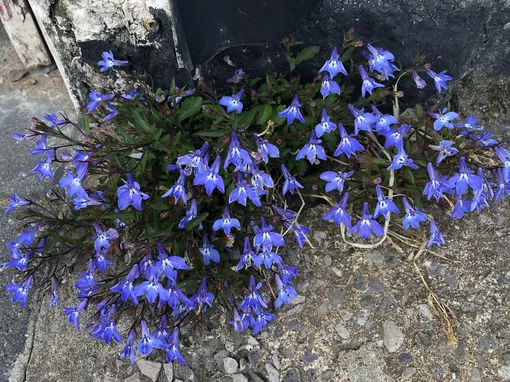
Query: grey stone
452	280
17	74
504	373
239	378
503	279
435	269
183	372
272	374
327	260
149	368
342	331
336	271
408	373
309	357
303	286
298	300
426	312
437	372
219	356
375	285
292	375
168	368
230	365
405	358
134	378
368	302
327	376
296	310
345	314
359	283
293	324
254	356
393	336
387	307
488	342
375	257
337	297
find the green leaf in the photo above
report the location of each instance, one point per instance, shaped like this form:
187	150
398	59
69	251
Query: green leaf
264	114
410	175
86	125
246	119
307	54
210	133
292	63
419	111
189	107
159	206
347	54
199	219
141	122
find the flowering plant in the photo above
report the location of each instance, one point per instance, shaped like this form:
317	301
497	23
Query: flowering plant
178	200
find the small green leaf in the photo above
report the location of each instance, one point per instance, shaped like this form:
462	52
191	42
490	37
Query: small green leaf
264	114
410	175
159	206
199	219
189	107
141	122
86	125
292	63
210	133
307	54
246	119
347	54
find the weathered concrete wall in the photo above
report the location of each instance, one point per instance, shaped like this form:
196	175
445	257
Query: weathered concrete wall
145	32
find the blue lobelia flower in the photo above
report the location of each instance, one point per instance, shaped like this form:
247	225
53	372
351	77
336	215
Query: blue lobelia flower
268	258
146	343
175	295
129	348
180	95
233	102
54	121
241	321
72	184
366	225
348	144
96	98
132	94
336	180
288	273
502	186
41	149
152	288
260	179
15	201
23	137
195	160
325	126
261	319
329	86
209	252
479	199
44	169
292	112
290	183
112	112
484	139
300	232
285	292
109	62
445	149
362	120
126	287
106	329
465	179
226	223
436	237
419	82
177	190
202	297
20	291
73	313
312	150
130	194
243	192
413	217
461	207
247	257
443	118
400	160
210	179
169	264
238	76
470	124
339	213
504	156
253	299
385	121
439	79
395	137
266	149
95	199
191	214
54	295
236	154
333	66
368	84
173	351
384	205
266	238
81	162
101	261
161	334
380	60
433	188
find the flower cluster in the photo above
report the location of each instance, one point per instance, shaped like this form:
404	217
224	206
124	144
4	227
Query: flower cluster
181	203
